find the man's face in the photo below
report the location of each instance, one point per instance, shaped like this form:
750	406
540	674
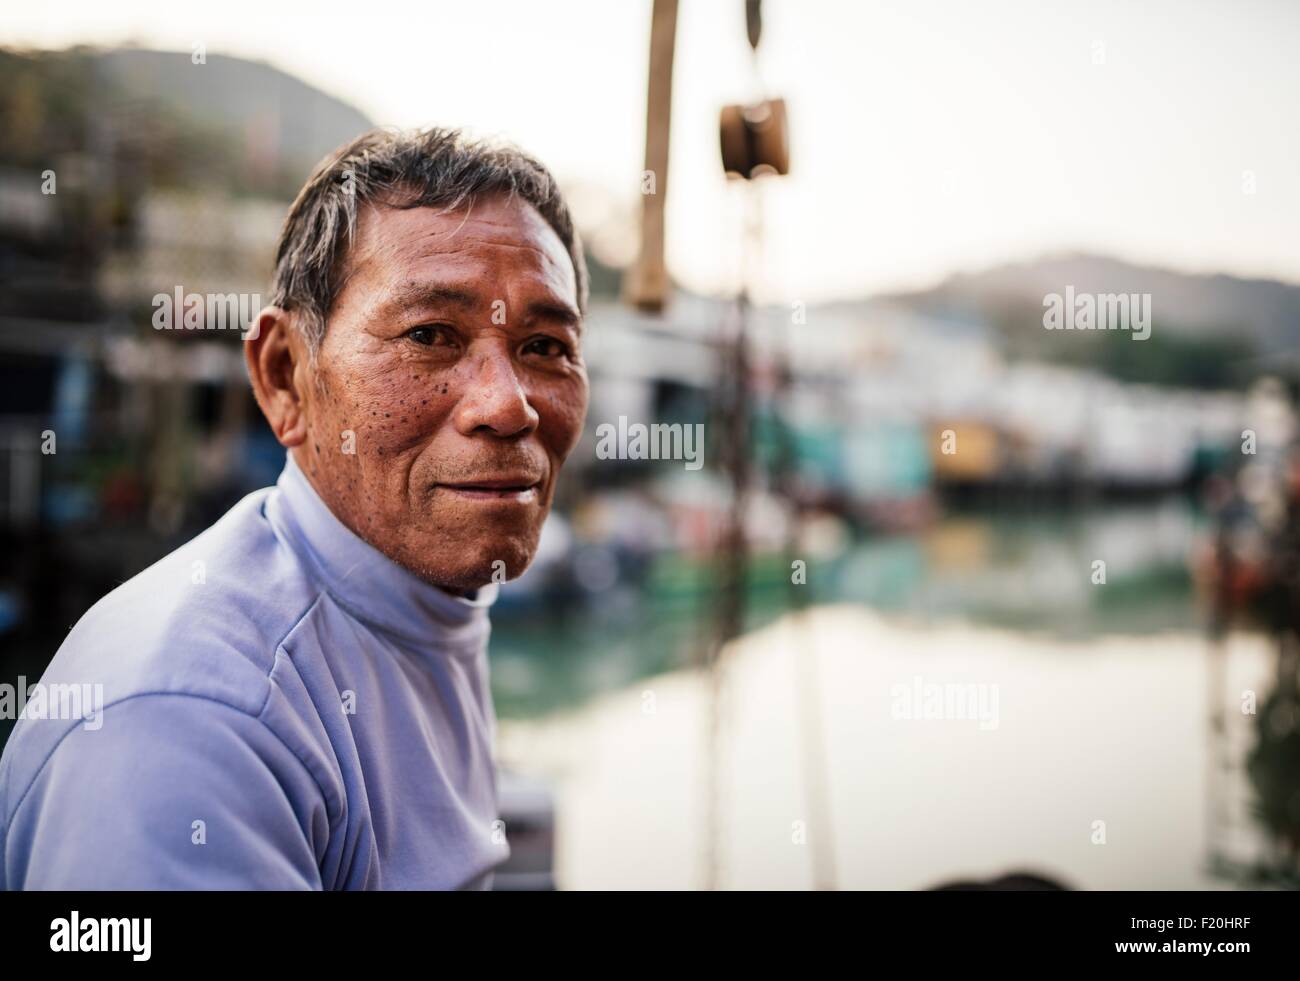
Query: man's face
453	354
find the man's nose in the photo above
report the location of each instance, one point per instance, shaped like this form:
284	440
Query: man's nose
495	400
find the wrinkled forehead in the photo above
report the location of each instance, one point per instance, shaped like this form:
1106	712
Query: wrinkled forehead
500	241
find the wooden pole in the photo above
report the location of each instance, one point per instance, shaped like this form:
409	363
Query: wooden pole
646	284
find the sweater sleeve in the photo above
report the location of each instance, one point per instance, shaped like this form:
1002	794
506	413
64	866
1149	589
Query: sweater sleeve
170	792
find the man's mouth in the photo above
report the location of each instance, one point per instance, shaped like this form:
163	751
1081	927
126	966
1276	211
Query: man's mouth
515	488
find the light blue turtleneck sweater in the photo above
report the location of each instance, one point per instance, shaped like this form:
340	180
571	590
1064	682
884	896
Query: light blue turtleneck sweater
282	707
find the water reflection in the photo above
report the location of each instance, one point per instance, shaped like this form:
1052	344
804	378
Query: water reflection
1025	570
1102	695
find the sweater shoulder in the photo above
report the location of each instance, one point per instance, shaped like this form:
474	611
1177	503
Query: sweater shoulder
205	621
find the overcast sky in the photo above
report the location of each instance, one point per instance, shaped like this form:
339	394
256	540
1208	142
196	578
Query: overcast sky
929	136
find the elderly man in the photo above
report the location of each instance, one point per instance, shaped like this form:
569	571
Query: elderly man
298	698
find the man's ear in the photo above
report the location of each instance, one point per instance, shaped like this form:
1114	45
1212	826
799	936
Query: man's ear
276	355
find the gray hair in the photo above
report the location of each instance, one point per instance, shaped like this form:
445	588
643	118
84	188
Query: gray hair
439	168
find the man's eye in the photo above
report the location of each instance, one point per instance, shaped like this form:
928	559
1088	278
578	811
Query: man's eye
547	347
428	335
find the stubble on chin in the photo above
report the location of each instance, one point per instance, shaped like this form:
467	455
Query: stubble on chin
444	559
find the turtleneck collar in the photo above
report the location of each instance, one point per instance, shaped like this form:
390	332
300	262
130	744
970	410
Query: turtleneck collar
365	582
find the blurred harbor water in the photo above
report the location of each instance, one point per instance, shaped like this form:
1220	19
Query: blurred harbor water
1026	569
1111	730
1100	714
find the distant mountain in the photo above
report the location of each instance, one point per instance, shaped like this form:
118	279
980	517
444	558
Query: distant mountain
1259	314
279	124
140	118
